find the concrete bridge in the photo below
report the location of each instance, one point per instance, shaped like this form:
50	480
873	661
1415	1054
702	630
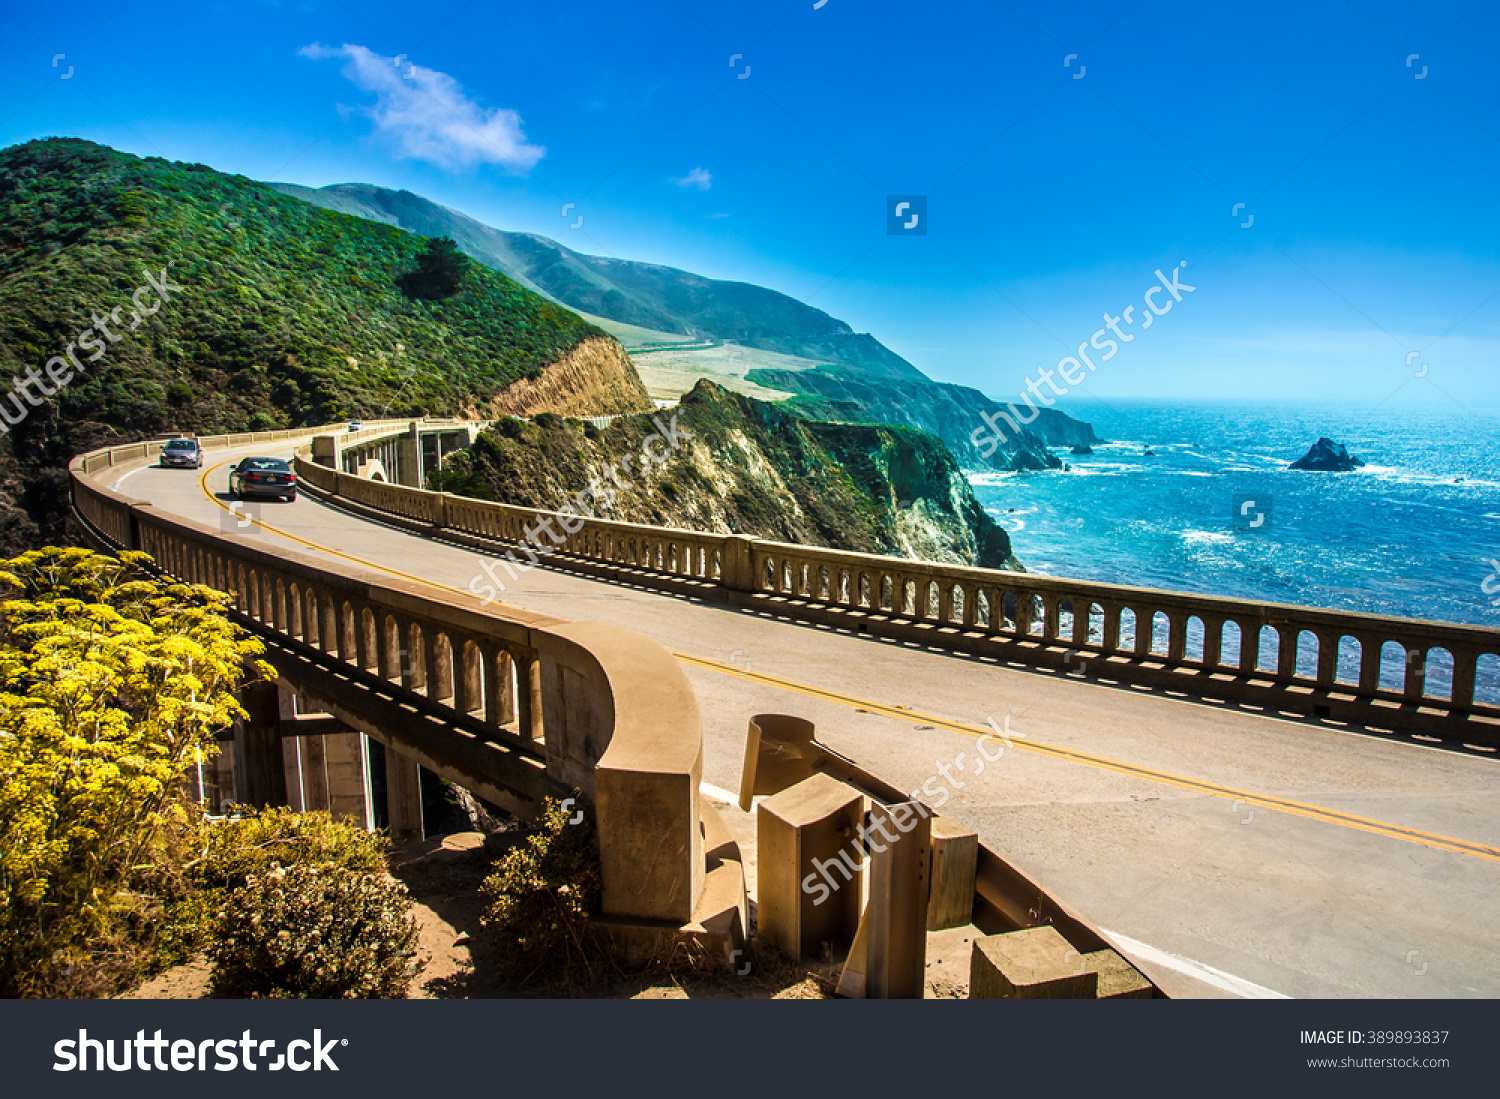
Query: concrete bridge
400	452
1243	798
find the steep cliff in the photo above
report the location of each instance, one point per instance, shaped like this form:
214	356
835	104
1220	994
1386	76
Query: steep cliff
742	466
594	379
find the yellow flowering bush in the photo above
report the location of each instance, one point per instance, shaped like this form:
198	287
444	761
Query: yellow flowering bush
112	684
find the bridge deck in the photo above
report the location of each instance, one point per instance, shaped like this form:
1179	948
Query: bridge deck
1294	857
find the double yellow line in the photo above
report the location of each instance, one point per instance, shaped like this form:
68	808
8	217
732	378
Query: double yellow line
1181	782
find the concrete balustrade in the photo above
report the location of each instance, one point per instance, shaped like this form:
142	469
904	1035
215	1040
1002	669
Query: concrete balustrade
511	705
1318	663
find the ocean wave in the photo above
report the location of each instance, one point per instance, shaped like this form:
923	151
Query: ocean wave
1206	537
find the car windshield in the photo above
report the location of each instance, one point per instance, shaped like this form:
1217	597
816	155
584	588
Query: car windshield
182	444
276	465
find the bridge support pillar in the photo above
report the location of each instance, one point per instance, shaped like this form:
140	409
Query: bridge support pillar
325	450
409	461
403	797
265	765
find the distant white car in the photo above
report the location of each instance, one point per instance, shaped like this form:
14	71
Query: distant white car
356	425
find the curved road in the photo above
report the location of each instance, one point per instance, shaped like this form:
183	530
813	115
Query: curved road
1242	854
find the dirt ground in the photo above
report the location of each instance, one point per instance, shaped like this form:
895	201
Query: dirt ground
443	876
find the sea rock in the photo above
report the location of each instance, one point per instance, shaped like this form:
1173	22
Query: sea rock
1083	448
1329	457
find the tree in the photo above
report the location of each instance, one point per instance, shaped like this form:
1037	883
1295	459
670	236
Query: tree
440	270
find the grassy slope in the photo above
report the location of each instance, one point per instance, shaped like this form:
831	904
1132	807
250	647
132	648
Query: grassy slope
291	314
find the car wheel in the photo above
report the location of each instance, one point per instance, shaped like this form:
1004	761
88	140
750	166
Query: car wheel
292	498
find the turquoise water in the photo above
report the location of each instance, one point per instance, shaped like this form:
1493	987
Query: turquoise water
1412	534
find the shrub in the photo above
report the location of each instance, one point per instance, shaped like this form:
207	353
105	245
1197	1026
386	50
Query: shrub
543	892
315	932
548	421
510	427
205	862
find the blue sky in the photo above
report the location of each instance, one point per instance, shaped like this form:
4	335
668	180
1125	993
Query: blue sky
1055	188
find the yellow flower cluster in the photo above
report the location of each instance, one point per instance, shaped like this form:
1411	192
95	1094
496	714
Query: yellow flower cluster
113	683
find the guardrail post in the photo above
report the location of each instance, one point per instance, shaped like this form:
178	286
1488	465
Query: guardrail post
900	874
737	567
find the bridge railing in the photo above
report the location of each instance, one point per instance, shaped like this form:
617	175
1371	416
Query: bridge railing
1292	646
513	705
1378	670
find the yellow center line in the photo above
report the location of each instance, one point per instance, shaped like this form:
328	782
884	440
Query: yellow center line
203	484
1182	782
1299	808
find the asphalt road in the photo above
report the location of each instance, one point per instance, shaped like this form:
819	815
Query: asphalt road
1239	854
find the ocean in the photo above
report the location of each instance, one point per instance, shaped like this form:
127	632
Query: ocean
1415	533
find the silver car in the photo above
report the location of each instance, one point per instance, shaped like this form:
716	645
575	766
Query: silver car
183	454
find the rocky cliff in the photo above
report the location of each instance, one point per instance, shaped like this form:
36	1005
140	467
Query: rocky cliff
742	466
596	378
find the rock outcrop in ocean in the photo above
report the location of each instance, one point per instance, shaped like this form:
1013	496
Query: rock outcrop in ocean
1327	456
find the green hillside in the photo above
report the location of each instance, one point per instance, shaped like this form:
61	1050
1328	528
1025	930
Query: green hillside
289	314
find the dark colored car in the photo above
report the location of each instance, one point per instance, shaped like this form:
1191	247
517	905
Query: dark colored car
262	477
182	453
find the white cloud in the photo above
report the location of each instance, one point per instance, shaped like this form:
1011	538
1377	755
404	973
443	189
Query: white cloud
698	177
427	116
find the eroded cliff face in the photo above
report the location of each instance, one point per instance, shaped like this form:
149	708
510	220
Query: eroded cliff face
742	466
596	378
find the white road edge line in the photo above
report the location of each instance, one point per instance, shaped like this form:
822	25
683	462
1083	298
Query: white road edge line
125	476
1225	982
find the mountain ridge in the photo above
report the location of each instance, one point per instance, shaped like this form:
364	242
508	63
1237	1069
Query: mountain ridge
850	381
